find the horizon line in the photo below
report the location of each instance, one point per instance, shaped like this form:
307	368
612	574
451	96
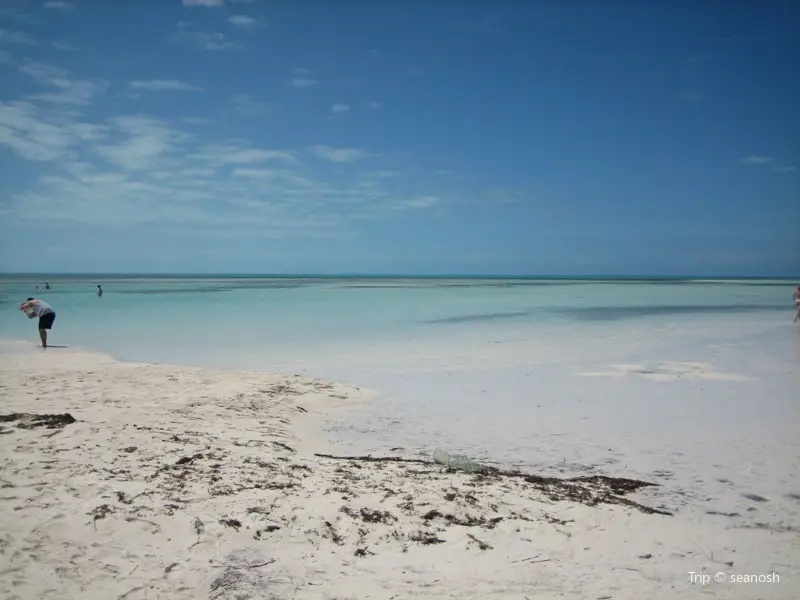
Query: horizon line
383	275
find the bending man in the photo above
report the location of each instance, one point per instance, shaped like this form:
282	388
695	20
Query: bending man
38	308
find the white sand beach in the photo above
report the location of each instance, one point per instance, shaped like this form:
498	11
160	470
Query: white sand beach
178	482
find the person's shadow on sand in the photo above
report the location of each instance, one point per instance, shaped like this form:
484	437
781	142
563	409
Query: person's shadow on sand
49	346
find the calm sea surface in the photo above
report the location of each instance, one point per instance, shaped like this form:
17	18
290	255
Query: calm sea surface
185	319
492	367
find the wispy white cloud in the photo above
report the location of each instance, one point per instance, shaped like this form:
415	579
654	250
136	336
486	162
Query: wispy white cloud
767	161
340	108
419	202
242	21
197	120
35	134
163	85
59	5
228	154
213	41
206	3
145	142
213	3
338	155
137	169
134	169
373	104
384	174
63	47
304	82
303	78
65	89
248	106
8	36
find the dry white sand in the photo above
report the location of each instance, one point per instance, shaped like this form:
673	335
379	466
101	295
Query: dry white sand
178	482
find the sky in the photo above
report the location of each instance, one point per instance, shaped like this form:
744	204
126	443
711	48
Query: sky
442	137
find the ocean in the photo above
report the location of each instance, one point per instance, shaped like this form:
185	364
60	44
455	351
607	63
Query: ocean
658	373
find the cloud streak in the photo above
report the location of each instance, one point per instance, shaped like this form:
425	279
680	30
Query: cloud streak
242	21
163	85
213	41
8	36
304	82
63	88
338	155
58	5
206	3
137	170
762	161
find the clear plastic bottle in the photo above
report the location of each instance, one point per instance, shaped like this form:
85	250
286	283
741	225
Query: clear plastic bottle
455	462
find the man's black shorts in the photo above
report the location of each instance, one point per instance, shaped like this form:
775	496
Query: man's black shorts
46	321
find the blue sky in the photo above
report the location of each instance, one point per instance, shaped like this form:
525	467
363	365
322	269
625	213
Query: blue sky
407	137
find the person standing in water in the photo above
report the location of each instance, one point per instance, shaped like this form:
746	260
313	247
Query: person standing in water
38	308
99	290
796	298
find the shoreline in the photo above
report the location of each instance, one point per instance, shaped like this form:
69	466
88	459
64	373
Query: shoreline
186	482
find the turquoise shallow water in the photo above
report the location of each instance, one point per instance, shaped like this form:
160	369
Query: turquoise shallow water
493	368
182	319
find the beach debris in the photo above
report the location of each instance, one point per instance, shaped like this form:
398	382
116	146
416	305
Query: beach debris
284	446
457	462
754	497
723	514
330	531
124	498
199	528
31	421
482	545
370	516
242	578
232	523
375	458
531	560
185	460
590	490
467	521
426	539
101	512
259	534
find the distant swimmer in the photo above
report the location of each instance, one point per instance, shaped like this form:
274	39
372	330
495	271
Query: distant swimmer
99	291
46	285
796	298
38	308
